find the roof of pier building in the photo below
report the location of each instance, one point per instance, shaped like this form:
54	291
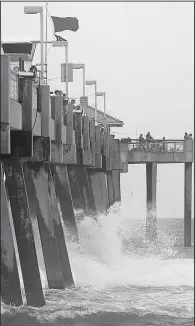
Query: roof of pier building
111	121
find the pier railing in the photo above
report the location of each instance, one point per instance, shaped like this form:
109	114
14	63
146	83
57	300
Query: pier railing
159	150
157	145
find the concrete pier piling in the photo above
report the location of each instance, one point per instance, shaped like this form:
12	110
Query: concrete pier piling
103	190
60	235
116	185
36	178
78	203
10	283
187	204
110	186
15	184
95	190
64	198
151	218
84	188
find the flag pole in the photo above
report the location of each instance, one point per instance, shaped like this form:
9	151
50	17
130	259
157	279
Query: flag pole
46	12
66	64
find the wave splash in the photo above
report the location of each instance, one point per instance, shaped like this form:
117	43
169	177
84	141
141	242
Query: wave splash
114	252
117	272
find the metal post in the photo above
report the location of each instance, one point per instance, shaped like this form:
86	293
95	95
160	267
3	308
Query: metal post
105	124
66	61
96	104
46	9
83	80
104	105
42	50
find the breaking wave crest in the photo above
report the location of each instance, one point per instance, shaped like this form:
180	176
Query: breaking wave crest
117	271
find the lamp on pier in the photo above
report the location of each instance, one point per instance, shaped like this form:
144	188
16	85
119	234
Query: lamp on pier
93	82
32	10
104	95
71	67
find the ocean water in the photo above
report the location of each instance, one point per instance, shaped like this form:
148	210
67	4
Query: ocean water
120	279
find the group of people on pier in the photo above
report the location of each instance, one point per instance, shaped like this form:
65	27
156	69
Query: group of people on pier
148	138
149	143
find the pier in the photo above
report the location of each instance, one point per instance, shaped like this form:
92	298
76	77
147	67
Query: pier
55	160
158	151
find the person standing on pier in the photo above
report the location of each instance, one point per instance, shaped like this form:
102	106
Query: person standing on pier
163	144
141	138
148	140
186	136
141	141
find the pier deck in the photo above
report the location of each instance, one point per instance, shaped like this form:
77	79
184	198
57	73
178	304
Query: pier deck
158	151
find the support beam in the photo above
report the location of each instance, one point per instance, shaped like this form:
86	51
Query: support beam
95	190
24	232
116	185
187	204
103	190
151	218
64	198
36	177
78	203
60	236
10	283
110	188
84	188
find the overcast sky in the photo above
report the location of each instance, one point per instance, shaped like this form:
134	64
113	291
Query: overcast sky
142	56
